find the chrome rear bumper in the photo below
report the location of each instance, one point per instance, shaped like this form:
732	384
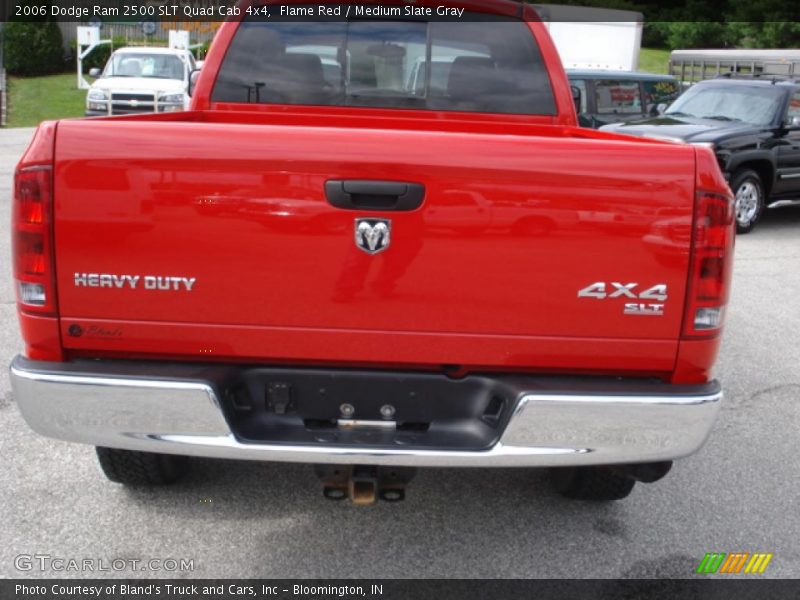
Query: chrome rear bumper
176	409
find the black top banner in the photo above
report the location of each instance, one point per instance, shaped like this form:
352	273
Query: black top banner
99	11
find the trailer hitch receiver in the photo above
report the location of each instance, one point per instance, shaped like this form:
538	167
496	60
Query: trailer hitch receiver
364	484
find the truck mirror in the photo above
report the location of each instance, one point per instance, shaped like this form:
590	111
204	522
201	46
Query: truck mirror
576	98
94	73
793	123
661	108
193	76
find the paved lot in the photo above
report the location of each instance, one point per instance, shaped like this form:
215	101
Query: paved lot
740	493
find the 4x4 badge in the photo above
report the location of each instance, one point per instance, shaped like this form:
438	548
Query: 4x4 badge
373	235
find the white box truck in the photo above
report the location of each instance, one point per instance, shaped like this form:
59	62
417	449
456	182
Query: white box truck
594	38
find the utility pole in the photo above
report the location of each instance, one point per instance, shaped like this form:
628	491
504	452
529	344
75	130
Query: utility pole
3	93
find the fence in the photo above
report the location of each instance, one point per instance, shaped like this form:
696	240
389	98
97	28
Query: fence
134	33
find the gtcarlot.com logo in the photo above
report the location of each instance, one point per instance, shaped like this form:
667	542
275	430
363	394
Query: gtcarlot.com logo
734	563
48	562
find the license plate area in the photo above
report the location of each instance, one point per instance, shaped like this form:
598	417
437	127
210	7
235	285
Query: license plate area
367	408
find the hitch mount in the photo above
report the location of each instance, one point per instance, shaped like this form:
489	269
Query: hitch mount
364	484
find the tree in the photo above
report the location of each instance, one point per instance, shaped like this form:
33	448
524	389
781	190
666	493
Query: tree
771	34
33	46
697	34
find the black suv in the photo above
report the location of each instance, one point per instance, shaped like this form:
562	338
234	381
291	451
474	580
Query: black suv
753	125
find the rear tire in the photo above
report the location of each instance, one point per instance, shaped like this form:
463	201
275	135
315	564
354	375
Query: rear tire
599	484
134	468
748	191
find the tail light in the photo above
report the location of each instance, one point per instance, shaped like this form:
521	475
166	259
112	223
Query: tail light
32	244
710	265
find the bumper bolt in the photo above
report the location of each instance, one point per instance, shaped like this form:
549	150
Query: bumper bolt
347	410
387	411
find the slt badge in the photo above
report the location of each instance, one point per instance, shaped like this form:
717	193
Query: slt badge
373	235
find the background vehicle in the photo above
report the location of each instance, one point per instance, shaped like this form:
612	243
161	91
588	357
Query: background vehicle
484	284
141	79
690	66
614	96
752	124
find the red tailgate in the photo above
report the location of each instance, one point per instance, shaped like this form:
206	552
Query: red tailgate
486	272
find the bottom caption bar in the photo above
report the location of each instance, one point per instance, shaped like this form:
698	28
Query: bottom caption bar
400	589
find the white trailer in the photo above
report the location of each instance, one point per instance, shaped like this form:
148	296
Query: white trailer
690	66
594	38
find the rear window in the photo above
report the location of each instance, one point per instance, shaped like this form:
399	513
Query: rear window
656	92
617	97
489	66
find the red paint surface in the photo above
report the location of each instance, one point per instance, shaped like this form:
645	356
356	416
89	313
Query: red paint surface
519	214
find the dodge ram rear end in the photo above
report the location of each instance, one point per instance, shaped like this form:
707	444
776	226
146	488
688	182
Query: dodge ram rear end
372	246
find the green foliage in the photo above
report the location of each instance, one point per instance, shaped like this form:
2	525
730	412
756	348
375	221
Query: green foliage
201	51
710	34
783	34
698	34
33	47
712	23
655	34
761	12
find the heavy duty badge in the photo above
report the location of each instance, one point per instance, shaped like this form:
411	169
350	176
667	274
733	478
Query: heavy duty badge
145	282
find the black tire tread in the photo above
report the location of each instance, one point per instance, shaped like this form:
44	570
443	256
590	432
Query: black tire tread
134	468
599	484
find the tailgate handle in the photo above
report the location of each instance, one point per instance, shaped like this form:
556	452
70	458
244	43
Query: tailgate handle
361	194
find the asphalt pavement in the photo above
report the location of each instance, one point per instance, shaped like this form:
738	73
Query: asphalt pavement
740	493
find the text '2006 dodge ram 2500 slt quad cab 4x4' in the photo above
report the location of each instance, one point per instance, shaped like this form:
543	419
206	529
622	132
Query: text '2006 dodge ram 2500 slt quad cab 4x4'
322	263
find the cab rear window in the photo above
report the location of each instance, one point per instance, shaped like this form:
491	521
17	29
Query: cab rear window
489	66
617	97
656	92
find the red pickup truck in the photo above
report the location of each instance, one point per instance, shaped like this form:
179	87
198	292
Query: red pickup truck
372	245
